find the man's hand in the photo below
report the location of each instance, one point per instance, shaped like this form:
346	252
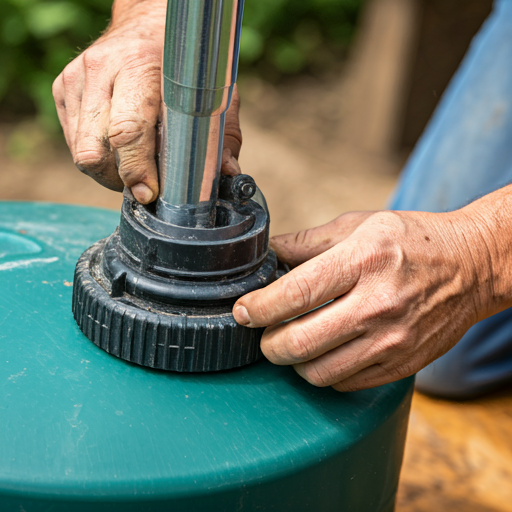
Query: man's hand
108	102
404	287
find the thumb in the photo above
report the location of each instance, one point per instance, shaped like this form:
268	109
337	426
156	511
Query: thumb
232	137
296	248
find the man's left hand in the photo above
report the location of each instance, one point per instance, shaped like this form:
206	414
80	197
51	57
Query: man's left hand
374	297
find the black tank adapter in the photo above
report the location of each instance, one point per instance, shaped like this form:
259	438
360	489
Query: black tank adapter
161	295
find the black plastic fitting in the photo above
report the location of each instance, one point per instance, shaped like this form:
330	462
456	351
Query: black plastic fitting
161	295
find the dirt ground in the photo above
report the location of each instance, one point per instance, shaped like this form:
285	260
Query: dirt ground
309	175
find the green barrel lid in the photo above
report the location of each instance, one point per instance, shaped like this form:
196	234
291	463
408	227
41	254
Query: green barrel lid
81	430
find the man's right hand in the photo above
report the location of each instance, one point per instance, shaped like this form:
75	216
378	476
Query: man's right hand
108	102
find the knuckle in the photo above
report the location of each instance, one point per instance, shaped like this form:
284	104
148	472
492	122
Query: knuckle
299	345
265	312
376	256
406	369
369	257
90	161
384	249
235	100
58	90
124	131
131	171
385	303
68	76
392	344
319	376
94	58
271	350
301	237
232	130
299	292
233	140
71	73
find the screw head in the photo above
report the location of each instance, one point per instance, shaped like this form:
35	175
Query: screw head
248	190
244	187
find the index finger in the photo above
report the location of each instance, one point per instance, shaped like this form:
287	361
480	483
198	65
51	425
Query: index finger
306	287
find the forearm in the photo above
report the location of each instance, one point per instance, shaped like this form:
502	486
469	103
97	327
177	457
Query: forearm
489	239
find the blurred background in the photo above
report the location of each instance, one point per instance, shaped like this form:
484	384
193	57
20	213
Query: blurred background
335	93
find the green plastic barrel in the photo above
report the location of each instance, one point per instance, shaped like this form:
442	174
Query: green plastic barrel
81	430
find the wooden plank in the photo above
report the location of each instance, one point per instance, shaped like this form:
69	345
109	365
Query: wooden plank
458	456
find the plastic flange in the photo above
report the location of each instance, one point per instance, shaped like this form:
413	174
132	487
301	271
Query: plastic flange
161	296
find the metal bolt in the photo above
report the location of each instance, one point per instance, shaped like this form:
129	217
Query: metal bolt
244	187
247	190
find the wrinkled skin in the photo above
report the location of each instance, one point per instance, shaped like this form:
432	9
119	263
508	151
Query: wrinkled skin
404	286
399	288
108	102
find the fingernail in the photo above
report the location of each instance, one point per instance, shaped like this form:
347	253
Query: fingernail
142	193
241	315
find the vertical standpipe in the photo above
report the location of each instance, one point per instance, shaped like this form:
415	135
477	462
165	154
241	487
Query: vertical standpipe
202	40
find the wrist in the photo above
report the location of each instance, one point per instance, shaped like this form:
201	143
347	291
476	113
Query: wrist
141	18
487	231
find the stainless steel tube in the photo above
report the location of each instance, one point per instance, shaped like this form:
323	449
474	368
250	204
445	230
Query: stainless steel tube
202	41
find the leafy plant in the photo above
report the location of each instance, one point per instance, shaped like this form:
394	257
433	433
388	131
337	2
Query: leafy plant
289	36
39	37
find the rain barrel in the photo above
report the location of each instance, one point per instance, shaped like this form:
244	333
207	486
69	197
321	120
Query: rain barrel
81	430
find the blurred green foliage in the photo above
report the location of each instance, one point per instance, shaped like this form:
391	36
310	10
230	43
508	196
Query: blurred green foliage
39	37
289	36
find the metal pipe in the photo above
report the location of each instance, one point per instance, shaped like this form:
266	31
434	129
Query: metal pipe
202	40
